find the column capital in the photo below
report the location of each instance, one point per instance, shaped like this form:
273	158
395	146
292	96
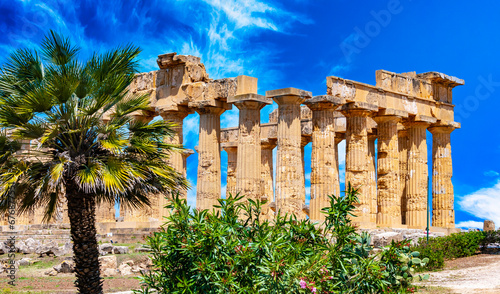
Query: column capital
443	128
229	146
417	124
249	101
143	117
187	152
362	109
178	112
268	143
324	102
289	96
210	106
387	118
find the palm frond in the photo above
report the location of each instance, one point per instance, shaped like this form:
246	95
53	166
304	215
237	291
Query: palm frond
58	50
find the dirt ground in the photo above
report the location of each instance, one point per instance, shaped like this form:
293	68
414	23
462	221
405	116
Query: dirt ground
475	274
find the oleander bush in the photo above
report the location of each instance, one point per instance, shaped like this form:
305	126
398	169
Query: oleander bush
448	247
233	250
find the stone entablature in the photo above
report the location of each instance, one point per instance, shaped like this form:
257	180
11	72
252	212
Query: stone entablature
395	113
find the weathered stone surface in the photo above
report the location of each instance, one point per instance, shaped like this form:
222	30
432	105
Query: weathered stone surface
324	165
416	193
290	197
106	247
443	213
488	225
125	268
108	262
120	249
388	196
66	267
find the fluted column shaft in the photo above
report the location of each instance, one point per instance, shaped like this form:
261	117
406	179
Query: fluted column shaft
290	196
403	144
372	178
267	177
416	205
232	159
177	160
209	169
388	196
356	160
443	213
324	168
248	175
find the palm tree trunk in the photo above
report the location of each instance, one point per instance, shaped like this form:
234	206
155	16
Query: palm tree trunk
81	212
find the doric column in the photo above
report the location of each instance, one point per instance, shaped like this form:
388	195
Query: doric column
357	158
403	144
416	204
248	174
231	151
443	214
372	177
388	194
177	159
290	197
324	163
266	172
209	169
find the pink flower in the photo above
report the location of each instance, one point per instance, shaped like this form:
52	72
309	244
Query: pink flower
302	284
313	290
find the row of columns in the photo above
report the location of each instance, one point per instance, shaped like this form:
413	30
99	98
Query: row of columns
393	185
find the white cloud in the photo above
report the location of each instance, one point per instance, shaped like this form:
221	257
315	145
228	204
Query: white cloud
191	197
484	203
469	225
491	173
245	13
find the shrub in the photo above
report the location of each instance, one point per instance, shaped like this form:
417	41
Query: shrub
448	247
231	250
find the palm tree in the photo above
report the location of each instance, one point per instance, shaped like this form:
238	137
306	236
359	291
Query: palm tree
90	148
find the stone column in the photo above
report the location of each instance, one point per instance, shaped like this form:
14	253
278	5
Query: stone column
388	194
372	178
443	213
231	151
416	205
290	197
209	173
248	174
324	163
266	172
357	173
403	144
174	115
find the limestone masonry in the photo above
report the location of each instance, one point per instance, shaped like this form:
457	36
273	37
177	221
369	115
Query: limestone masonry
384	126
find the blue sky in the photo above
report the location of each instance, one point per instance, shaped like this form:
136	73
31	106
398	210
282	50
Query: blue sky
298	43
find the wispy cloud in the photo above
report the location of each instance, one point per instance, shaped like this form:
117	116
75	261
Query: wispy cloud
484	203
491	173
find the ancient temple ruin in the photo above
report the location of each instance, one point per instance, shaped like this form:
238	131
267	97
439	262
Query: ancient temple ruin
391	175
